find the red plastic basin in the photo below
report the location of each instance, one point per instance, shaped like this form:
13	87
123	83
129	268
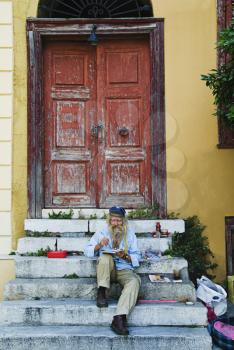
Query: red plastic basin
57	254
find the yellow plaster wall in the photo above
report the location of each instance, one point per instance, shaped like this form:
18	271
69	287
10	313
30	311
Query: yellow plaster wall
22	10
200	179
7	269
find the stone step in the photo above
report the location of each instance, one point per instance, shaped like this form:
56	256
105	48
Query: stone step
74	312
32	245
86	288
42	267
103	338
56	226
76	225
141	226
84	213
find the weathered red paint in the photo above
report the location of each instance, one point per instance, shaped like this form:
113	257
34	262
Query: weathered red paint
41	31
123	98
86	87
69	112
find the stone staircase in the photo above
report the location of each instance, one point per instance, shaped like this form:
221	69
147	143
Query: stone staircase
44	308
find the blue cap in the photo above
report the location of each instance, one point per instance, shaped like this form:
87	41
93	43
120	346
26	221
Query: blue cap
118	211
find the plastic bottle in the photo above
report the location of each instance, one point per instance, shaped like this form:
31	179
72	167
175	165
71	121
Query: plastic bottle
158	229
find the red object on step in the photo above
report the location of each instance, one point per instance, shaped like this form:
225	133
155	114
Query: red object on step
57	254
210	313
151	301
158	227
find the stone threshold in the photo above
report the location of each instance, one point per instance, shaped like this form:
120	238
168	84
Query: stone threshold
81	212
77	225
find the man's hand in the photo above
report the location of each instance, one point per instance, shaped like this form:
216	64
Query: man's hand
124	256
104	241
121	254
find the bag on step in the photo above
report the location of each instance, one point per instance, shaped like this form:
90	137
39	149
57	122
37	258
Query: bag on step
212	294
222	332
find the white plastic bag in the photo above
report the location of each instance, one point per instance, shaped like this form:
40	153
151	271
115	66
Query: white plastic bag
212	294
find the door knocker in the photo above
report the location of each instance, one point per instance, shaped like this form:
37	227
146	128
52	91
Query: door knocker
123	131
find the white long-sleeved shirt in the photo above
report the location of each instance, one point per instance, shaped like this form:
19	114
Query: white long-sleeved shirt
121	264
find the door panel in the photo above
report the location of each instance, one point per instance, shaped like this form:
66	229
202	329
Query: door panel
124	114
124	110
70	110
97	124
70	124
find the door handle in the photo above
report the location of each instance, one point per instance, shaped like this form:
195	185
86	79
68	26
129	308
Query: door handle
101	129
95	131
123	131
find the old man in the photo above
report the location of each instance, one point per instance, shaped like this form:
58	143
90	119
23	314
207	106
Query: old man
116	266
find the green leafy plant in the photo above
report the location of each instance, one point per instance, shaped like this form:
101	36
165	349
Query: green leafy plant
144	213
72	276
12	253
194	247
40	252
42	234
93	217
151	213
173	216
221	80
61	215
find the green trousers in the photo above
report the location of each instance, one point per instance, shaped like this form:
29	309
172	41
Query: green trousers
128	279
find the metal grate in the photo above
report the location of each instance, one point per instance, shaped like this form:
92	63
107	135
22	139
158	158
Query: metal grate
94	8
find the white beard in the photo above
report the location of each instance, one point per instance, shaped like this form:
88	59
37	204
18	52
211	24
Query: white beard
117	236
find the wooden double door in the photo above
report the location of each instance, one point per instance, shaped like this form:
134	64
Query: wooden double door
97	125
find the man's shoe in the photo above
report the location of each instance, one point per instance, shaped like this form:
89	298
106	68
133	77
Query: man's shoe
118	325
101	297
125	322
